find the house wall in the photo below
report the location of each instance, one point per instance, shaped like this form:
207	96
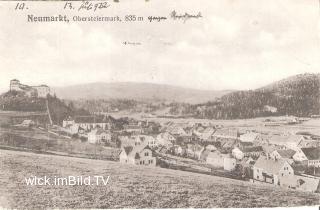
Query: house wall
257	174
123	157
229	164
146	158
314	163
237	154
216	162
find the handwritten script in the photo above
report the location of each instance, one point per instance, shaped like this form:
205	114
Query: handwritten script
184	17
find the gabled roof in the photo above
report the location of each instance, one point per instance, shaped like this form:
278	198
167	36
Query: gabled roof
286	153
232	133
268	165
90	119
137	149
284	140
312	153
253	149
128	149
249	137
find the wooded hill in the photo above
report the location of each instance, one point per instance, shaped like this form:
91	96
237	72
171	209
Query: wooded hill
298	95
18	101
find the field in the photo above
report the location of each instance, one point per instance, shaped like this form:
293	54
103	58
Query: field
129	186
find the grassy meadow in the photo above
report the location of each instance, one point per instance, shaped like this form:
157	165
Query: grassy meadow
130	186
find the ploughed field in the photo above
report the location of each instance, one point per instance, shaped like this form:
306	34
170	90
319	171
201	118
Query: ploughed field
129	186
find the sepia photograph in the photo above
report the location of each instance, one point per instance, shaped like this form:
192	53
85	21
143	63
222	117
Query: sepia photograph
159	104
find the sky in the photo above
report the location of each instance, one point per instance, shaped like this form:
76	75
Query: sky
237	44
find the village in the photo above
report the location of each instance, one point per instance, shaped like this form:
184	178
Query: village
280	159
263	157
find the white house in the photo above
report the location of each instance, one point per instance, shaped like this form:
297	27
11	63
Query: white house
145	139
237	153
165	139
250	137
290	142
271	171
219	160
283	154
312	156
138	155
98	135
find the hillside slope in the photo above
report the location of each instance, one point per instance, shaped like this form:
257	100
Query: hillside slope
130	186
18	101
137	91
298	95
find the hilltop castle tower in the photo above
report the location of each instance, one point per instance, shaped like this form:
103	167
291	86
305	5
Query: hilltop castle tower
40	91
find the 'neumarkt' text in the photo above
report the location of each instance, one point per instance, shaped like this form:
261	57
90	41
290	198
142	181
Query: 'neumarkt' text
54	18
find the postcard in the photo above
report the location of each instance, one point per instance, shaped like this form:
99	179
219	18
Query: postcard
160	104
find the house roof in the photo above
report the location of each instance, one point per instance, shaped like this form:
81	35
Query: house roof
228	143
136	150
284	140
98	131
253	149
308	182
226	133
268	165
249	137
312	153
215	155
286	153
204	154
128	149
211	147
90	119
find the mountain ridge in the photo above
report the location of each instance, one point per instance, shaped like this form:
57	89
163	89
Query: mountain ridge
137	91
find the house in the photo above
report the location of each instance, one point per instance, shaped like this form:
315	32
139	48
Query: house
133	127
237	153
177	130
194	151
216	159
147	139
227	144
308	143
206	134
302	183
88	122
290	141
312	156
271	171
28	123
211	148
250	137
138	155
225	134
97	136
179	150
165	139
253	152
283	154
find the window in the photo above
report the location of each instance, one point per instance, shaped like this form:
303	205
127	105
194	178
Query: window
146	154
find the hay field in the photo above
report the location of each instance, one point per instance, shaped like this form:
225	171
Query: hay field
129	186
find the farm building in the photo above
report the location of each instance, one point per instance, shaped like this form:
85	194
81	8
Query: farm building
138	155
271	171
98	136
